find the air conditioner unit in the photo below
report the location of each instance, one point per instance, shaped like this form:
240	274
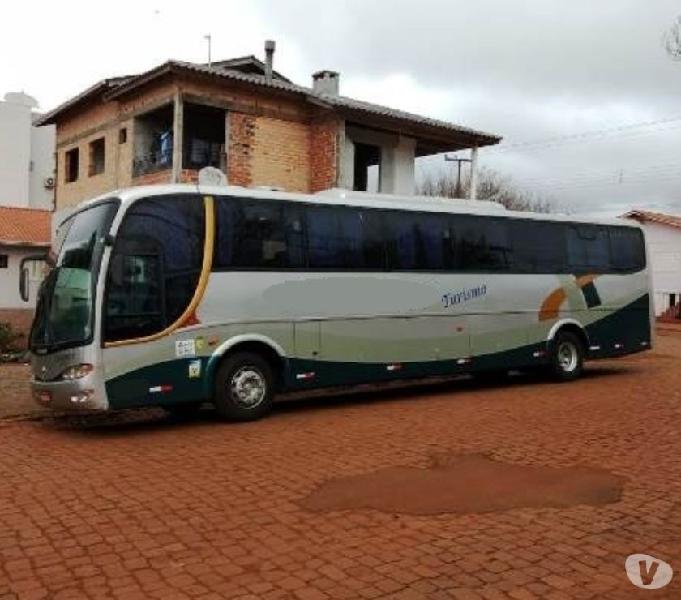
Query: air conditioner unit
49	183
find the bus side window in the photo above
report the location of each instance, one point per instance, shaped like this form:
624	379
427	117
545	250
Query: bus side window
484	243
134	299
627	250
373	240
334	237
588	248
253	234
417	241
538	247
155	266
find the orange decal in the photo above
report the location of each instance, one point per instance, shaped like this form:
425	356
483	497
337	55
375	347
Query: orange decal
192	319
551	305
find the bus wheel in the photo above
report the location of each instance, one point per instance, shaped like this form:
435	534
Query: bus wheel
567	356
244	387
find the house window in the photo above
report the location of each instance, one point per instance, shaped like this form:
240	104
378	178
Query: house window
71	167
97	151
122	135
3	261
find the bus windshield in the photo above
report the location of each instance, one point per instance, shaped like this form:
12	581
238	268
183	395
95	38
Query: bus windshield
65	310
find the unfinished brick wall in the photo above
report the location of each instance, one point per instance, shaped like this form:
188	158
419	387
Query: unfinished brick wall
323	154
240	148
271	139
158	177
281	154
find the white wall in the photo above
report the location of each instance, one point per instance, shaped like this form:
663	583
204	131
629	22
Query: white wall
664	247
9	278
26	154
397	167
398	155
15	153
43	141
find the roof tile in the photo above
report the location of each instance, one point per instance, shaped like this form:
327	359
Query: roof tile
654	217
24	226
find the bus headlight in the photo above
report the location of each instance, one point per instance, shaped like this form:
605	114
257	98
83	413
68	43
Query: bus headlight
76	372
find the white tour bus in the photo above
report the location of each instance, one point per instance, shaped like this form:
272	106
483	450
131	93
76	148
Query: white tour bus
179	294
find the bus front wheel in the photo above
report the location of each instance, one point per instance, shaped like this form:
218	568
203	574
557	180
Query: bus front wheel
244	387
567	356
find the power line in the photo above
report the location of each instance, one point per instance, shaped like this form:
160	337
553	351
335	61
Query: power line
604	173
643	179
621	130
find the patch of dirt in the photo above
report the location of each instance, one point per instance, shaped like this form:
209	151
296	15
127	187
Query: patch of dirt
471	483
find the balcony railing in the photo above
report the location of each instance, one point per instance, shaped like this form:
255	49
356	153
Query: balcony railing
152	162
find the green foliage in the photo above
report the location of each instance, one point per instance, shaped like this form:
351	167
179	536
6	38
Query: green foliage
8	338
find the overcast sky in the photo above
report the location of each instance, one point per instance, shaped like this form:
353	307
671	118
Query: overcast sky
530	71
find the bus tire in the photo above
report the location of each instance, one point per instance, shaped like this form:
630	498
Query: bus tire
244	387
567	356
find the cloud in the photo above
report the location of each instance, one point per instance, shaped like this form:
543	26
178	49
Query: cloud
528	70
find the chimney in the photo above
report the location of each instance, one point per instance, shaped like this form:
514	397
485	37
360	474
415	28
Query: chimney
270	46
326	82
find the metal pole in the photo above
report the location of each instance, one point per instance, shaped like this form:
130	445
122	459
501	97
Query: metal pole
474	173
458	161
209	39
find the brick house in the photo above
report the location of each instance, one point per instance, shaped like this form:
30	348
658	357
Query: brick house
244	117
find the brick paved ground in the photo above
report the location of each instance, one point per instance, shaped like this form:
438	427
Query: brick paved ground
15	400
155	508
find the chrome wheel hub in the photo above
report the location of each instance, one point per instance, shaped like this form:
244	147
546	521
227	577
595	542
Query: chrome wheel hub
568	357
248	387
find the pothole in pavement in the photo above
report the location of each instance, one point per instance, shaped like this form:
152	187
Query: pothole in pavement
472	483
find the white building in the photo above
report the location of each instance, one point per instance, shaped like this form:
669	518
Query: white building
663	234
26	155
26	201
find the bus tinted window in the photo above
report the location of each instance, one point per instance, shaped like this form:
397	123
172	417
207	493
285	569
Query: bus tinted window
538	247
334	237
259	235
588	248
373	240
155	266
627	250
483	243
417	241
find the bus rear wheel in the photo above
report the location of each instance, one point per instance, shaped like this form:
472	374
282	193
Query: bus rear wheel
567	356
244	387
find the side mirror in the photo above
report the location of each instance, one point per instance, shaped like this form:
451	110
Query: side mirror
23	284
24	275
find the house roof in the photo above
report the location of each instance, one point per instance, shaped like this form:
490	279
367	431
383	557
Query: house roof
241	70
24	226
653	217
247	64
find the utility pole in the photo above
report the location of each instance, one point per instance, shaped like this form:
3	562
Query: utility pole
209	38
458	162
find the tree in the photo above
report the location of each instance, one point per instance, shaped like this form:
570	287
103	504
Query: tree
492	186
671	39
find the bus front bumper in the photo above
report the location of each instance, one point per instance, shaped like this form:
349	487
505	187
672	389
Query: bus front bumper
78	394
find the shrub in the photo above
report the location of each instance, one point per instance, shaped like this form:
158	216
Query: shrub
9	338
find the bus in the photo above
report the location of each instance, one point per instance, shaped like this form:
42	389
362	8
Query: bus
177	295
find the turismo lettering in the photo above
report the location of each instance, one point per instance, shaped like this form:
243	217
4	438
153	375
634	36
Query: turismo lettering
453	298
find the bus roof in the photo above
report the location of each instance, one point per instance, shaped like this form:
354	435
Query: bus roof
343	197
